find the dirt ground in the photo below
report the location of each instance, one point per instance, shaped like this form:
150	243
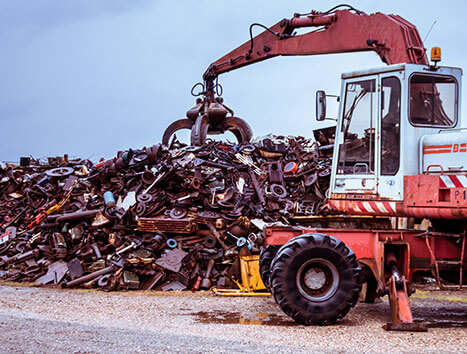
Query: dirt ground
44	320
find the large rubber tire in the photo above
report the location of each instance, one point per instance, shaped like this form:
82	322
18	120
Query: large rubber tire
265	260
175	126
315	279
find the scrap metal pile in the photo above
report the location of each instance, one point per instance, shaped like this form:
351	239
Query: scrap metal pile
157	218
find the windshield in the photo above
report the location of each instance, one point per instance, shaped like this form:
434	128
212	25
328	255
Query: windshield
356	155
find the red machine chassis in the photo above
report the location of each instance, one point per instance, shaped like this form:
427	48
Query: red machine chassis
415	251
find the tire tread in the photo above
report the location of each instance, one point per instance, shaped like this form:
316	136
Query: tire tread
314	313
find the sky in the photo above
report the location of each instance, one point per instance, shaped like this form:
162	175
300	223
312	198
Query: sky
88	78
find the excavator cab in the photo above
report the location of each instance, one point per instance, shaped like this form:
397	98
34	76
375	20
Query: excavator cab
383	115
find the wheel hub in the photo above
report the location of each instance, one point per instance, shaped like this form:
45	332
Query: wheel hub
317	279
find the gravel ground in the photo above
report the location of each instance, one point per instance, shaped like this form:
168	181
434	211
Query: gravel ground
44	320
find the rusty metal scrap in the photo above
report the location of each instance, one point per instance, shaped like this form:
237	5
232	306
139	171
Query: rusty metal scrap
174	217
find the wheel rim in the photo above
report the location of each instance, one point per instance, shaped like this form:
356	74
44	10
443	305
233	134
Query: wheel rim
317	279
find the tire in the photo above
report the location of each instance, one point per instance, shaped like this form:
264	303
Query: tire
315	279
175	126
265	260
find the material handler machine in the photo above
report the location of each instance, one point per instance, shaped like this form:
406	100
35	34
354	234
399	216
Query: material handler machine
399	158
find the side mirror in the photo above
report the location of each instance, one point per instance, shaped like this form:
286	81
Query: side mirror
320	105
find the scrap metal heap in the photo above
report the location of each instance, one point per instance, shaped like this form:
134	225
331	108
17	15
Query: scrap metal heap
161	217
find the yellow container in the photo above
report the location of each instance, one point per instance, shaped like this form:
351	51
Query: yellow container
249	268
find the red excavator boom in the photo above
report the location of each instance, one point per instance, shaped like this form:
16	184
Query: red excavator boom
335	31
394	39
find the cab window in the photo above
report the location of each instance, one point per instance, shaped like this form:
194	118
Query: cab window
433	100
356	154
390	125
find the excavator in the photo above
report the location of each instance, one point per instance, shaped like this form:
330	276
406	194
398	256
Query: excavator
398	185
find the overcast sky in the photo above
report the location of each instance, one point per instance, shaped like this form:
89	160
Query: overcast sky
91	77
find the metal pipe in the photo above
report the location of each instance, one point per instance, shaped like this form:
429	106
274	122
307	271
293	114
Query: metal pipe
96	250
109	199
82	214
89	277
206	282
127	248
258	190
217	235
311	21
18	258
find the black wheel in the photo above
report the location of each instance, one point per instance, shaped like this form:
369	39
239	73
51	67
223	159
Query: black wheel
265	260
175	126
315	279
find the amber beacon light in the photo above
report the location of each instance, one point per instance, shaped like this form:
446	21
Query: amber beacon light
436	54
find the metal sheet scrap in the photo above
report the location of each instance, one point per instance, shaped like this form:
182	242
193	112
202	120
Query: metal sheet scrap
163	217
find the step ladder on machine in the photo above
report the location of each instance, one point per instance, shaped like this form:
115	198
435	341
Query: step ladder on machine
430	238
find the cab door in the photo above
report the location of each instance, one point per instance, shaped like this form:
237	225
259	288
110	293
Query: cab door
390	178
356	166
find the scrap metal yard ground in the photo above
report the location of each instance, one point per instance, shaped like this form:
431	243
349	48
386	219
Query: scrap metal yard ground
50	320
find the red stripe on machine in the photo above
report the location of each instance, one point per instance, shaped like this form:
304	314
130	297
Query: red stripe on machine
375	207
436	152
435	147
453	181
361	207
456	181
441	183
389	208
445	149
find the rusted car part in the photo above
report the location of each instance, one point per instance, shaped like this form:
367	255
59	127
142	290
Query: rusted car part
157	217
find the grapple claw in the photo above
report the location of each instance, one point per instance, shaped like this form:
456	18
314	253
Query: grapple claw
175	126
